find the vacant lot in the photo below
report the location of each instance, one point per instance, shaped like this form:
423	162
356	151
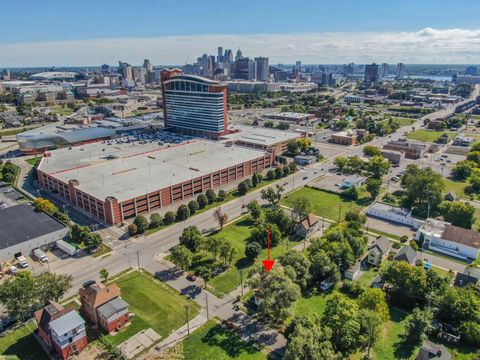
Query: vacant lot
325	204
429	135
213	341
22	344
155	305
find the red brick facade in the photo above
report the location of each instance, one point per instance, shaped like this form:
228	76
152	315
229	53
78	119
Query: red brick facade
72	349
115	324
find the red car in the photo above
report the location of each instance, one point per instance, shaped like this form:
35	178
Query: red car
191	277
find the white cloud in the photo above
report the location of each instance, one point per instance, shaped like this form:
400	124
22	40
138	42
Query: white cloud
428	45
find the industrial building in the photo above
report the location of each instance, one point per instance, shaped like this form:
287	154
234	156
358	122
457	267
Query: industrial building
411	150
291	116
113	182
22	229
194	105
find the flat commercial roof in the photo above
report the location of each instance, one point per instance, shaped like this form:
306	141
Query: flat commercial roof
22	223
260	135
128	170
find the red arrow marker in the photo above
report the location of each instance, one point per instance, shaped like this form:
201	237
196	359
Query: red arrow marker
268	263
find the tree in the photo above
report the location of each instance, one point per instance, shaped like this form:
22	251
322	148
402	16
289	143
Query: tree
155	220
227	252
24	294
255	210
310	342
470	332
301	207
474	156
459	305
370	150
253	251
222	195
205	272
183	213
202	200
276	293
191	238
322	268
370	328
458	213
211	196
278	172
423	189
463	169
142	224
169	218
373	186
374	299
378	166
181	256
300	264
193	206
340	162
104	274
474	180
293	147
351	193
276	215
9	172
475	146
78	233
418	325
44	205
270	174
272	195
221	217
132	229
342	316
243	188
260	234
93	240
212	245
256	179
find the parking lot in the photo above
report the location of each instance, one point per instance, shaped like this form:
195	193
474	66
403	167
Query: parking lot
10	197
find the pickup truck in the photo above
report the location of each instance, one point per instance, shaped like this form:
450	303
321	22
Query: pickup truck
22	261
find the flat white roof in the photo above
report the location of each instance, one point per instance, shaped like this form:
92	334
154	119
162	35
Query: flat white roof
127	170
260	135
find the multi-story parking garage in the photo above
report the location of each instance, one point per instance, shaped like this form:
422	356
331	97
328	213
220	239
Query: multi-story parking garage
114	182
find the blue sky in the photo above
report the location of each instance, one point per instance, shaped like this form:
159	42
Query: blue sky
59	22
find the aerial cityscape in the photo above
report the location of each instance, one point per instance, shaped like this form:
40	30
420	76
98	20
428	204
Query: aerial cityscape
292	180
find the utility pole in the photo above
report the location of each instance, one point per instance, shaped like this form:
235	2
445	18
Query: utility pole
339	211
188	324
241	281
138	263
206	301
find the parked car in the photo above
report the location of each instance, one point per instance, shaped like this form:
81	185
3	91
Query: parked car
325	285
191	277
427	265
22	261
305	178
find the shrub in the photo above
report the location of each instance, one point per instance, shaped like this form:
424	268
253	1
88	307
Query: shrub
211	196
169	218
404	239
193	207
142	224
202	200
396	245
271	174
132	229
183	213
243	188
253	250
155	220
221	196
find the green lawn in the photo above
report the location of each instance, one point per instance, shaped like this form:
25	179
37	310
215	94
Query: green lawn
22	344
155	305
34	161
237	233
324	204
429	135
15	131
214	341
60	110
104	250
383	233
401	121
458	187
312	305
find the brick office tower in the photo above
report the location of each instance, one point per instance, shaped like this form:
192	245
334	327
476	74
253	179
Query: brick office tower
193	105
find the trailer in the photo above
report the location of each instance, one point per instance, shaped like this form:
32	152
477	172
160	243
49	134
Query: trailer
40	255
66	247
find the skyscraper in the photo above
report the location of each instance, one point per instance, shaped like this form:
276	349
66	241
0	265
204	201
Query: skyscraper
147	65
228	57
384	70
220	54
261	67
371	74
245	69
350	68
194	105
400	70
239	55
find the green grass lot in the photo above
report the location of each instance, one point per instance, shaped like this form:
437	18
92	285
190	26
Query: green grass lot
214	341
382	233
1	173
15	131
325	204
312	305
155	305
429	135
21	344
34	161
237	234
60	110
402	121
458	187
104	250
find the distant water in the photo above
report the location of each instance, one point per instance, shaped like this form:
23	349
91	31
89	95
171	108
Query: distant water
430	77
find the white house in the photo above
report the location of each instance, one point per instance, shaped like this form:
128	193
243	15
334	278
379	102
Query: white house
448	239
394	214
353	181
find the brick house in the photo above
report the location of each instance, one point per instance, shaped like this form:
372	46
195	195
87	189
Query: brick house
62	330
103	306
307	226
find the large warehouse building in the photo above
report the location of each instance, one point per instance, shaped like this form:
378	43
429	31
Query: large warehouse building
114	183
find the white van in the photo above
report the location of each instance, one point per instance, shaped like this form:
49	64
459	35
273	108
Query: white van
40	255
